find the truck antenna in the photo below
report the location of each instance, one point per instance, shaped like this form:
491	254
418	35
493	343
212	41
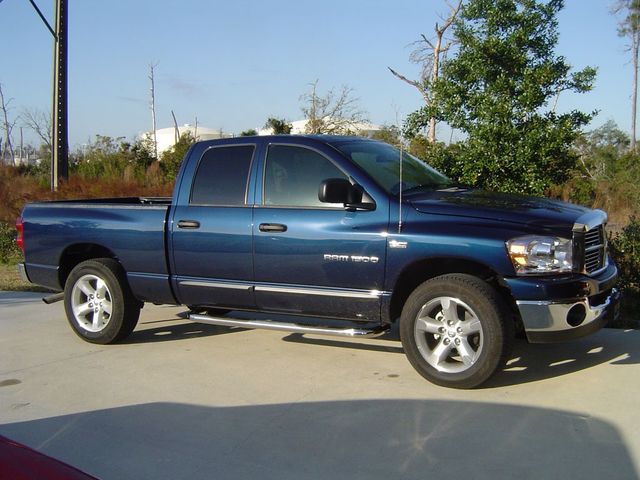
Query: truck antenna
400	184
400	191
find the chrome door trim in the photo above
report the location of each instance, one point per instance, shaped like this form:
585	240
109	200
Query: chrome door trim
319	291
231	286
328	292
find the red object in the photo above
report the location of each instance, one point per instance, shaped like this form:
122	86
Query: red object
19	462
20	229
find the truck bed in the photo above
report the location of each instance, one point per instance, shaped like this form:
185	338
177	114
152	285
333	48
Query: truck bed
130	229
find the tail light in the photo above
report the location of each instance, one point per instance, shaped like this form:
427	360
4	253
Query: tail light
20	237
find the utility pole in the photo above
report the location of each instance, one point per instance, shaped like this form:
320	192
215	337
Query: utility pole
60	137
60	144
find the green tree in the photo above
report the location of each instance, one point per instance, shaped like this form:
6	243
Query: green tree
171	159
607	175
108	158
249	133
389	134
105	157
278	126
499	90
600	150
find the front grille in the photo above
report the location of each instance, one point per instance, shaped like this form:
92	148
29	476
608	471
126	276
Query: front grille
595	249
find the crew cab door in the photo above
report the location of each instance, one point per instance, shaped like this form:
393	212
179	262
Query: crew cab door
211	242
311	257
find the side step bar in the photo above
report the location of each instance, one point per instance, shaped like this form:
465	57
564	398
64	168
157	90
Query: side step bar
56	297
289	327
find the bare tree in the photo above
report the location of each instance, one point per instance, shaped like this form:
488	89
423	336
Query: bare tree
332	114
428	53
7	125
629	27
39	122
176	130
152	67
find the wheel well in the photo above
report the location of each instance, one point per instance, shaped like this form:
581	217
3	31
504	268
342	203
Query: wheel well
424	270
78	253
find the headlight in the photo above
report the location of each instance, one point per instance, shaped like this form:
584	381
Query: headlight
533	255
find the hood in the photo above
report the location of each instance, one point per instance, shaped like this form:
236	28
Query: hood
518	209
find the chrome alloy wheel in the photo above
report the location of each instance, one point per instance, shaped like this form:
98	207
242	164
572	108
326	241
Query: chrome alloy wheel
91	303
448	334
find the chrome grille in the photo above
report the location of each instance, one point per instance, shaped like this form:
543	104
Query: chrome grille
595	249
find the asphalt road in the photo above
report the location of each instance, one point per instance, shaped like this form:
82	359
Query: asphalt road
183	400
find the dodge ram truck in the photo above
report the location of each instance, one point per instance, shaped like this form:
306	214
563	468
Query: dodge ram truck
330	235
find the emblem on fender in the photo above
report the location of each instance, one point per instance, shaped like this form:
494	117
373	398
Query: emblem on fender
328	257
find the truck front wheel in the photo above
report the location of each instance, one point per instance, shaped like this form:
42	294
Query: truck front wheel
455	331
99	304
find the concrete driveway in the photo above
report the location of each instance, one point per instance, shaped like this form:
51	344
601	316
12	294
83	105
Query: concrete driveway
183	400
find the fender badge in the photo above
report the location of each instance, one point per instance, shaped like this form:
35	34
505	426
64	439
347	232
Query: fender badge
350	258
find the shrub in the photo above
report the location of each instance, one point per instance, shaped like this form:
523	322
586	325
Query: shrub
444	158
625	248
9	251
171	160
15	190
607	175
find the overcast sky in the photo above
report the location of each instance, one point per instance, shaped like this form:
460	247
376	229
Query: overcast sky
233	64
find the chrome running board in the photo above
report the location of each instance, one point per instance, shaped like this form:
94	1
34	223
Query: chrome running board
289	327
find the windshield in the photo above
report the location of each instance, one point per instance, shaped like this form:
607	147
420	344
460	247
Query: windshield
382	162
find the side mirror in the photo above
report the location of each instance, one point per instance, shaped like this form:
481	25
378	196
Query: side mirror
340	190
337	190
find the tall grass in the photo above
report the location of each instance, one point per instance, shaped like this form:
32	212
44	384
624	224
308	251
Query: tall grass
16	189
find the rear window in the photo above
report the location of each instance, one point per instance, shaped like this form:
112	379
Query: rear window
222	175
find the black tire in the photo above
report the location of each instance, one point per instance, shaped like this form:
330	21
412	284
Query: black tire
98	301
455	330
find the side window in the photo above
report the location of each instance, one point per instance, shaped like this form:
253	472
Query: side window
222	175
293	176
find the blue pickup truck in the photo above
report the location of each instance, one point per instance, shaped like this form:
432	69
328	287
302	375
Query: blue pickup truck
331	235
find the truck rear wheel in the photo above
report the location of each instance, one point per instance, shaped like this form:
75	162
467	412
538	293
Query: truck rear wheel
99	304
455	331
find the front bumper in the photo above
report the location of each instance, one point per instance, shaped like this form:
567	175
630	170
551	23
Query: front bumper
546	321
565	307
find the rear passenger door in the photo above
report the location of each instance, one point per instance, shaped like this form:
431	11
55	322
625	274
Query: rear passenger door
211	231
311	257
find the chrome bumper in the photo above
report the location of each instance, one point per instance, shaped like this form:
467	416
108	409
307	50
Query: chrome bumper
23	272
546	321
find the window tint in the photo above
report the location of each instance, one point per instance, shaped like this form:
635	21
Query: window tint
222	176
293	176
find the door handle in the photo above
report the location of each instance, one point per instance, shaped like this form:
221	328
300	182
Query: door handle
272	227
192	224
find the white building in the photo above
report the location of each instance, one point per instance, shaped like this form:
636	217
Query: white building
166	137
299	126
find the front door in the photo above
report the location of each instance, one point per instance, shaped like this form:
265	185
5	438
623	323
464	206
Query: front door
311	257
